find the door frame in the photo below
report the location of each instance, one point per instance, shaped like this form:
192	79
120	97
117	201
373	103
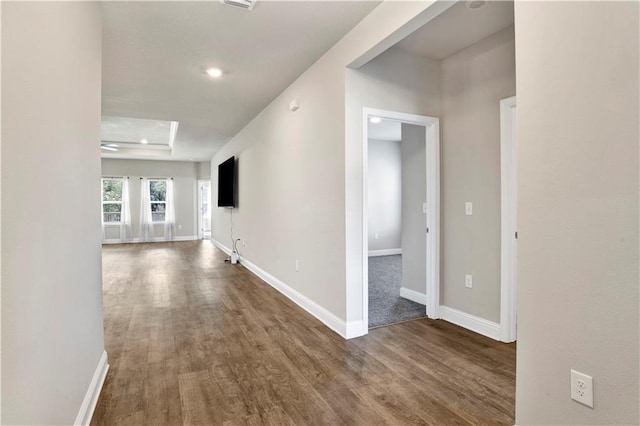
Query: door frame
508	208
432	149
199	201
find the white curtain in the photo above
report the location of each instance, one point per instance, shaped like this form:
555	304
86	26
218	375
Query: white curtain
126	233
170	215
146	221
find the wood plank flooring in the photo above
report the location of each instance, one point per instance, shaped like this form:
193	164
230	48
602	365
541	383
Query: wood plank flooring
192	340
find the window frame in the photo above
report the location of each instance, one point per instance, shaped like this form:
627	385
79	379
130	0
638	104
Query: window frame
102	180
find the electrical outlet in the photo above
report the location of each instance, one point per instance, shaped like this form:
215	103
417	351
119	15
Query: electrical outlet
468	208
297	265
468	281
582	388
243	242
376	236
179	226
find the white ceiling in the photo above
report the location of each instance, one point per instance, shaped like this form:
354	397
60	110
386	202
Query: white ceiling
125	136
457	28
386	130
133	130
155	55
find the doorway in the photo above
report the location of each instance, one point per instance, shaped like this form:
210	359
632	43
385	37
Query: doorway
401	232
204	209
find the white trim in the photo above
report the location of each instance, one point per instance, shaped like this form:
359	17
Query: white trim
433	219
509	193
471	322
183	238
356	329
173	130
93	392
115	241
154	240
432	141
413	295
385	252
198	207
197	212
221	246
329	319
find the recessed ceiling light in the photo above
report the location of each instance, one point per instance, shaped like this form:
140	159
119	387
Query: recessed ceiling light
375	120
144	141
214	72
475	4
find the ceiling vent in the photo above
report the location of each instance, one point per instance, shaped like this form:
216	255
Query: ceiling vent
242	4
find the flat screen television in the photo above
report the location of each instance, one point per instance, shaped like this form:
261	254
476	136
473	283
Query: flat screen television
227	183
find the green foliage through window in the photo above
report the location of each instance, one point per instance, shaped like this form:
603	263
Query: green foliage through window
158	198
112	200
158	190
111	189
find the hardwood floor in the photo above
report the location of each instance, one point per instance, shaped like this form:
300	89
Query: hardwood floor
192	340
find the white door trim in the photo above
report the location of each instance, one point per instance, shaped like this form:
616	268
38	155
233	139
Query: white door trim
432	141
199	201
508	184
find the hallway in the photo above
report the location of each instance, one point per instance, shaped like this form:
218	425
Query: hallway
192	340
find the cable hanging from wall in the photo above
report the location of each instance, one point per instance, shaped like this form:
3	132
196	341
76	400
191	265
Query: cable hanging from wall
235	256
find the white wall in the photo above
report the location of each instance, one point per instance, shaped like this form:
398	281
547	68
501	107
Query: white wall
52	325
0	221
203	170
578	294
414	220
473	82
385	195
292	170
394	81
477	79
184	174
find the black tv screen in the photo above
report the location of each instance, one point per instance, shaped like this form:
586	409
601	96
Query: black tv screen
227	183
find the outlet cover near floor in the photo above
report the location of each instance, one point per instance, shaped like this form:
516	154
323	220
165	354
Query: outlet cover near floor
582	388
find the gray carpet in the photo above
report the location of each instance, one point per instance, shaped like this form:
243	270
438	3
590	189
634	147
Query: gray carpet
385	304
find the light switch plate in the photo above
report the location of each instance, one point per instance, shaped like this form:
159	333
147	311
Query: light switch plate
468	208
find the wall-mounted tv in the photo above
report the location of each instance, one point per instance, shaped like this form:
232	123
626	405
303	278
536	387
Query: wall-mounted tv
227	183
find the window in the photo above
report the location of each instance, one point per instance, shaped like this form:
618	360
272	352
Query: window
112	200
158	199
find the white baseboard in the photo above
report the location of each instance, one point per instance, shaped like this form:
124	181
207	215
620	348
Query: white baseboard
471	322
221	246
356	329
93	392
348	331
186	238
386	252
154	240
413	295
114	241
